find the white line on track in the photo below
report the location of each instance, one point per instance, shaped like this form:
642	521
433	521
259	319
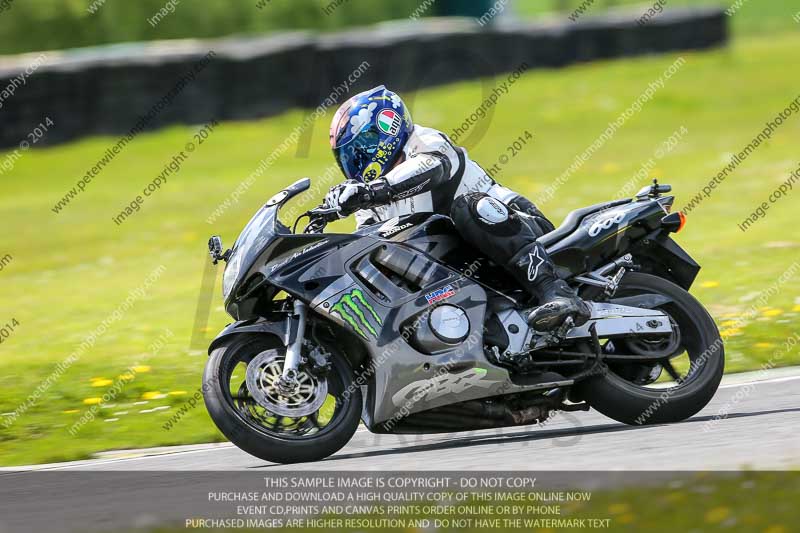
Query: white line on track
731	379
758	382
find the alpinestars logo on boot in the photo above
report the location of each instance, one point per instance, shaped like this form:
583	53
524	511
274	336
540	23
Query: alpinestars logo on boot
354	309
536	262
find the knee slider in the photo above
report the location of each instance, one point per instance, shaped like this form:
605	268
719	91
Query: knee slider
491	211
486	214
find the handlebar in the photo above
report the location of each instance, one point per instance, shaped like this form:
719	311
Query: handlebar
318	218
328	214
653	191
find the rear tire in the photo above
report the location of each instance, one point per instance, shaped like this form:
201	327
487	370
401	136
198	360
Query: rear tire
631	404
260	442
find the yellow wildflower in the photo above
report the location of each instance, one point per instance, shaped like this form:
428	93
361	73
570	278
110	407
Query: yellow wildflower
717	514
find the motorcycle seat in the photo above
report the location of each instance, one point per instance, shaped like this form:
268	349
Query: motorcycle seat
573	220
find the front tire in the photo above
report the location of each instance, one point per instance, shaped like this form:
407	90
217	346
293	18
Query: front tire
625	401
264	434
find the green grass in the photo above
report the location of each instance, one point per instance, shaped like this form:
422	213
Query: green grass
69	271
57	24
753	17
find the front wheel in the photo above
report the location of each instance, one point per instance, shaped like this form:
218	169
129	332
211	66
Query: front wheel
673	388
312	421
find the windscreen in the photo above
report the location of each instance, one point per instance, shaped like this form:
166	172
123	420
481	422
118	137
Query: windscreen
258	232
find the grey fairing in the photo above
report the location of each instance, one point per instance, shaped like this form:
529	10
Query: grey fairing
403	380
249	327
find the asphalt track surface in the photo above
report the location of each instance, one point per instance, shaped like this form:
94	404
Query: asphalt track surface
761	431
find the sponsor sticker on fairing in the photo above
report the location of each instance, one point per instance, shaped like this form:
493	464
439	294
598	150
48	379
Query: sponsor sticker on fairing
389	121
440	294
356	311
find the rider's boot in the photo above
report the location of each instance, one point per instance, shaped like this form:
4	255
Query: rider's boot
534	269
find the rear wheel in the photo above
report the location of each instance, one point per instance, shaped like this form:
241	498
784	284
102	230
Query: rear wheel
688	368
307	423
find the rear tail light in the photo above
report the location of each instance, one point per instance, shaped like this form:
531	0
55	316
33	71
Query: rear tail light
674	222
683	221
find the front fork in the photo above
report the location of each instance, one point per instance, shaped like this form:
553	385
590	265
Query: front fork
294	345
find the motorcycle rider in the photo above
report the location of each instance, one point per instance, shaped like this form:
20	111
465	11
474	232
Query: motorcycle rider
394	167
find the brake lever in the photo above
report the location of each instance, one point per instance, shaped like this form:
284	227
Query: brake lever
329	214
314	227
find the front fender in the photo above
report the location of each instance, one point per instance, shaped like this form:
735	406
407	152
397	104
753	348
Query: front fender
276	328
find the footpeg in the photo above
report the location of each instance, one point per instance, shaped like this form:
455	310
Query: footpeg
613	284
554	338
562	331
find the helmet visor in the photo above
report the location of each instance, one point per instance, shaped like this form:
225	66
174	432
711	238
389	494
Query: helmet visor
354	156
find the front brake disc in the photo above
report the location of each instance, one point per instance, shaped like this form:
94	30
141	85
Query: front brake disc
305	399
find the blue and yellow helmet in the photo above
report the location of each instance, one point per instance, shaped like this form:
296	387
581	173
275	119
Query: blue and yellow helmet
368	133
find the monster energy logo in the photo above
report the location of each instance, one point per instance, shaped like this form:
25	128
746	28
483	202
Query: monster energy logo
351	307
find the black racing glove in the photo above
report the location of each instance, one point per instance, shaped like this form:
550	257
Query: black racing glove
352	195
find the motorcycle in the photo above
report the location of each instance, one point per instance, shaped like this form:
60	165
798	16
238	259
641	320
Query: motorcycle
404	326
